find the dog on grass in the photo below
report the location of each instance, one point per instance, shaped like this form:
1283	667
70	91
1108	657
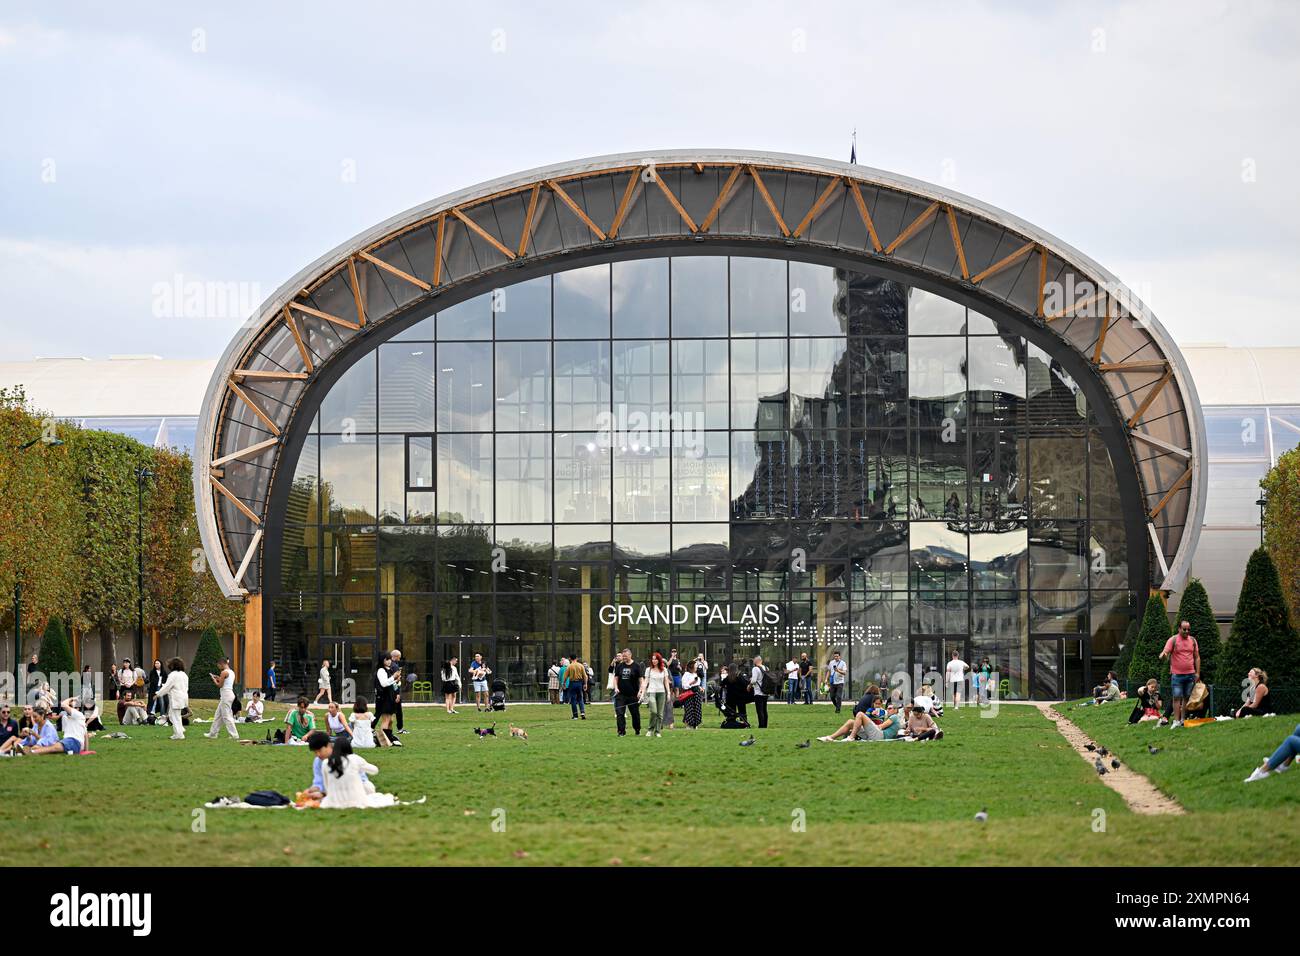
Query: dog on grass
486	731
518	733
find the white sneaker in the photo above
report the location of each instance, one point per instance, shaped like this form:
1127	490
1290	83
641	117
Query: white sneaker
658	735
1282	768
647	733
827	739
1259	774
1176	723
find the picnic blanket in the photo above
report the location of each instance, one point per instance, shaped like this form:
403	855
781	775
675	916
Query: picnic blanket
230	803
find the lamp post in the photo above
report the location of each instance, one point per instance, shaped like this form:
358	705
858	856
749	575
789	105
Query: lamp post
142	474
1262	501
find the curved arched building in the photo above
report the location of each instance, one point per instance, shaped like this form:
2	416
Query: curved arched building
707	400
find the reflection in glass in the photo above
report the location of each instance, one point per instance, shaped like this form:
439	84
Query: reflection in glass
582	385
936	379
471	319
347	476
701	491
758	383
523	386
406	378
930	314
523	310
582	475
641	483
817	300
349	405
581	299
465	387
700	383
758	296
464	478
699	296
523	476
640	298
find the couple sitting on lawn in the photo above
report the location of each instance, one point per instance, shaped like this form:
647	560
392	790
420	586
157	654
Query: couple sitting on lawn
871	722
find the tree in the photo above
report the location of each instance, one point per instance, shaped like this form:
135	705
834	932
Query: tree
56	654
40	517
1281	486
106	463
1194	608
1126	652
205	662
1262	633
1151	639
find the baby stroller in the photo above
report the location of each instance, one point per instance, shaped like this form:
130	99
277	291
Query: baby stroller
497	700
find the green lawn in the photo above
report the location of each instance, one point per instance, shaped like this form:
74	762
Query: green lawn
577	794
1201	767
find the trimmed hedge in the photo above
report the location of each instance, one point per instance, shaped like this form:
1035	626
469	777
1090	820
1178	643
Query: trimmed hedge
1262	632
206	656
1151	639
55	656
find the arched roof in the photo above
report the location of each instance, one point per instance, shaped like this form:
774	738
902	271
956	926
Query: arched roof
672	197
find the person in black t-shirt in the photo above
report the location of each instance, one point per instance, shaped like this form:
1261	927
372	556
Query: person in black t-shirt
807	675
627	692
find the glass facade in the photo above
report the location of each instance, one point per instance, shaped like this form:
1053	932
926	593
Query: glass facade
724	455
1243	443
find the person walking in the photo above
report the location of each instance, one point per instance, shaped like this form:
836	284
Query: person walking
176	691
656	684
756	678
955	674
225	716
323	684
575	679
1184	655
272	682
837	670
627	692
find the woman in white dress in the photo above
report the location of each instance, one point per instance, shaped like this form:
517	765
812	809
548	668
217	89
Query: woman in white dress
345	789
323	684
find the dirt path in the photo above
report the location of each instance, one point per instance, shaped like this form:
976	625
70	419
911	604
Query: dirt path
1138	792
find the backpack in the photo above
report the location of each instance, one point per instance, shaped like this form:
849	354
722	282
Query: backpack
768	683
267	798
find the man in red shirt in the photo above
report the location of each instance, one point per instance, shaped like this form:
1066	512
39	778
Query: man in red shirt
1184	668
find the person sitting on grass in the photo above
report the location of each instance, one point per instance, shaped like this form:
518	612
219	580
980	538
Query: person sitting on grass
1256	704
1281	760
867	702
73	732
42	733
921	726
299	723
892	725
858	727
322	749
1148	703
8	726
253	713
928	702
334	722
1106	692
132	710
362	727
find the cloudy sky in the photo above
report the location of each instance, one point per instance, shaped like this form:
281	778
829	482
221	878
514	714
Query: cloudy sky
150	144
